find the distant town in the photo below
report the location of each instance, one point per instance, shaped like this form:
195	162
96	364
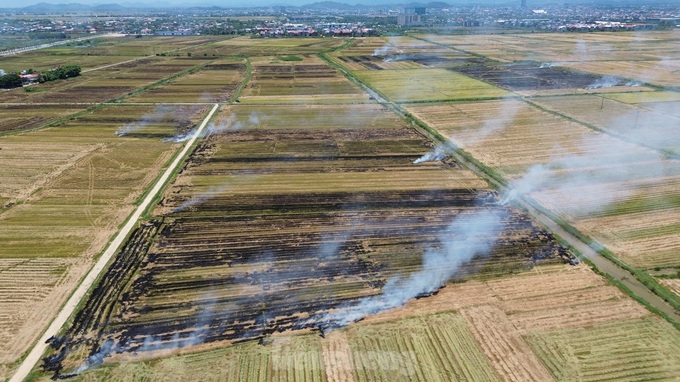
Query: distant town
55	22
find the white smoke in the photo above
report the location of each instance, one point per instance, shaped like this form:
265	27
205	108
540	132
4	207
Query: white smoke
493	124
203	197
388	48
437	154
465	238
108	347
152	343
605	82
606	170
254	119
228	125
183	136
155	116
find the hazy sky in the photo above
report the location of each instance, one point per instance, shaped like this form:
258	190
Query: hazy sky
240	3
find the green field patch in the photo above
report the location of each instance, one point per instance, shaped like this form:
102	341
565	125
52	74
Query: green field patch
635	350
427	348
644	97
294	358
404	179
642	233
641	203
419	85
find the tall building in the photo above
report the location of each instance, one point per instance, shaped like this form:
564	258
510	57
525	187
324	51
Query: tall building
524	3
412	16
409	19
416	10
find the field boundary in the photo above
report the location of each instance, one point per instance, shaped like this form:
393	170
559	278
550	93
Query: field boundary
88	281
656	299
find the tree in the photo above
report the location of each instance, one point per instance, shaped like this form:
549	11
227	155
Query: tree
60	73
9	81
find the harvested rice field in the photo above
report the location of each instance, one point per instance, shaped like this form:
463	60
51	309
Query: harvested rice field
316	230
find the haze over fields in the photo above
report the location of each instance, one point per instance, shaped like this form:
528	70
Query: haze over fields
333	192
232	3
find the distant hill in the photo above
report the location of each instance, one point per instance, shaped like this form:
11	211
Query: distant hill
44	7
339	5
433	4
72	7
328	5
109	7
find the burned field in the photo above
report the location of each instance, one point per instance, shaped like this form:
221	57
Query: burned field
527	76
519	76
235	261
314	234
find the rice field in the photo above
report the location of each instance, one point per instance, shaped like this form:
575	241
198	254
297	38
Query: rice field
64	192
216	81
627	350
420	85
502	329
303	198
599	183
649	119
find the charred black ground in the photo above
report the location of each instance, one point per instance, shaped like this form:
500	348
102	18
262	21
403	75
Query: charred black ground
518	76
237	267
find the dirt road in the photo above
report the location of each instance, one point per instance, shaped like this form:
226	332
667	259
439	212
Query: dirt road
57	43
69	308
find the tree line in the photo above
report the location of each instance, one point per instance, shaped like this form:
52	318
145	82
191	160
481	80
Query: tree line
14	80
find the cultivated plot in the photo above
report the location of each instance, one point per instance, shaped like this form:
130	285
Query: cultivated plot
282	221
501	329
64	192
427	85
646	122
246	46
216	81
597	182
314	234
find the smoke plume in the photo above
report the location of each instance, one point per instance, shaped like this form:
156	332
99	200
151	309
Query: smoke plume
437	154
606	170
465	238
96	359
388	48
203	197
152	343
155	116
605	82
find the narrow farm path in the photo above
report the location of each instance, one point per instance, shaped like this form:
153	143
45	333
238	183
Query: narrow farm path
69	308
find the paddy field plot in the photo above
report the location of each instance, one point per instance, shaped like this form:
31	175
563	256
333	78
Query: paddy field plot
427	85
308	81
302	202
214	82
592	179
653	124
500	329
276	223
105	85
246	46
64	192
566	47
